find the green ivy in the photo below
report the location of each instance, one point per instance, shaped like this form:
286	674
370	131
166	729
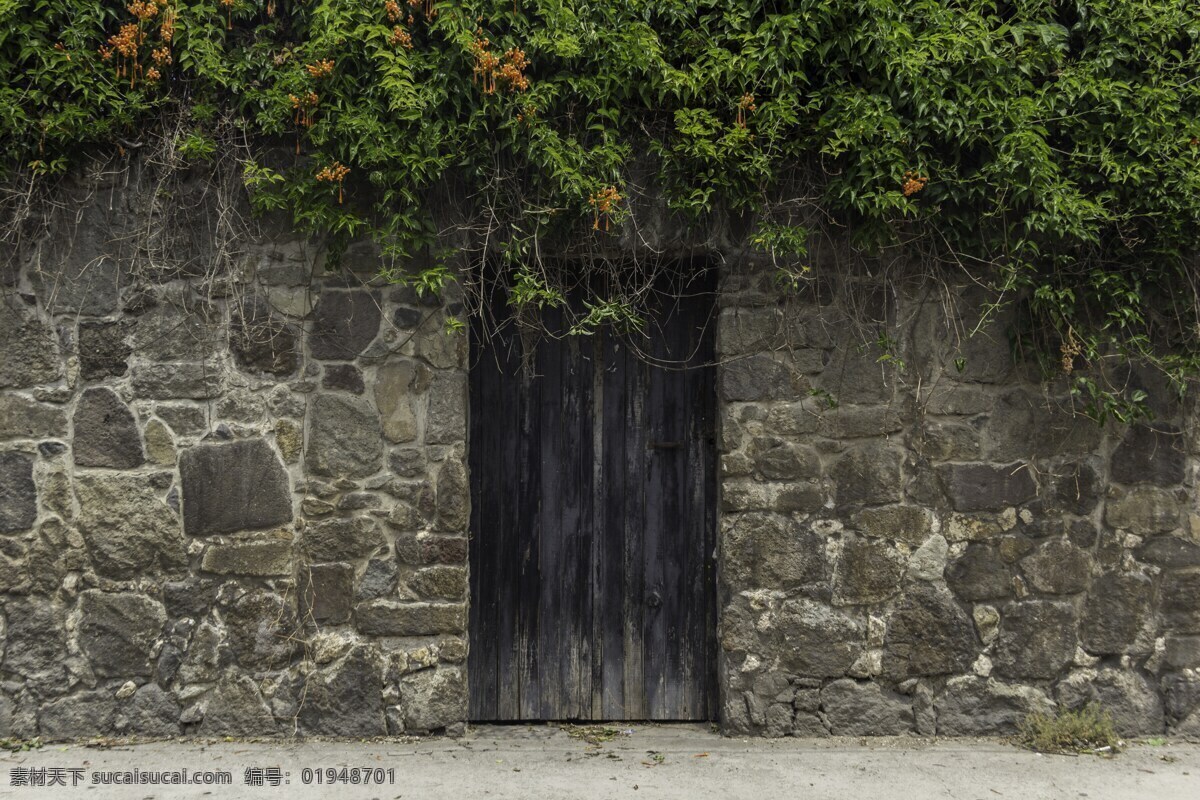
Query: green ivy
1051	147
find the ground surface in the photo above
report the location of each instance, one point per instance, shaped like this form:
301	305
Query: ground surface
677	761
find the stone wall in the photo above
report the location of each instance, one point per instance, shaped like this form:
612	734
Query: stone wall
235	502
917	535
228	506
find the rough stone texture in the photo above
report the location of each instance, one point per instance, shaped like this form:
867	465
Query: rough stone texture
35	646
980	573
152	712
343	437
236	708
264	556
160	447
395	618
867	571
973	706
394	382
1142	510
343	377
985	487
1131	700
768	550
928	634
326	592
106	434
1153	455
23	418
342	539
104	349
1116	613
262	630
867	474
935	548
818	641
78	716
1057	567
18	495
434	699
117	631
344	323
262	342
863	709
1037	639
233	486
130	530
29	347
345	699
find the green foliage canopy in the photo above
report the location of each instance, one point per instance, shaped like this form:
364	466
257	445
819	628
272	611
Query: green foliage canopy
1049	146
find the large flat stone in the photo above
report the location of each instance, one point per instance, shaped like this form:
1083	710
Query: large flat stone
342	539
1143	510
265	556
233	486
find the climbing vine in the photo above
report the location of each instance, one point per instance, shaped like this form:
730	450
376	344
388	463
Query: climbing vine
1048	148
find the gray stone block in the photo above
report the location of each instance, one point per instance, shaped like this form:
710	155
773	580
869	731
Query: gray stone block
23	418
344	323
865	709
117	632
344	437
987	487
1037	639
233	486
106	434
18	494
928	634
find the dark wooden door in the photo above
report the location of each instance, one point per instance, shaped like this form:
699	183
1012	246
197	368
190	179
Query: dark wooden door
593	489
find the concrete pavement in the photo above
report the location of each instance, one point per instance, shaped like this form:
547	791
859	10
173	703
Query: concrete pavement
641	762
